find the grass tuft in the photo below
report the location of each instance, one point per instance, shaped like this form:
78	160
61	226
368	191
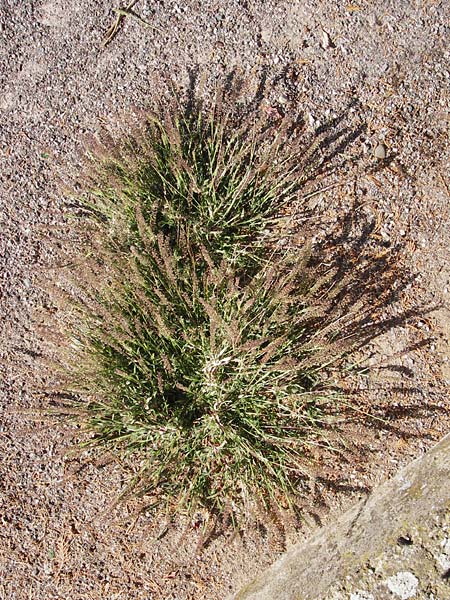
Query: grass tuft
193	344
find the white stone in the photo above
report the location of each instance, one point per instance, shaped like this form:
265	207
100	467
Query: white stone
403	585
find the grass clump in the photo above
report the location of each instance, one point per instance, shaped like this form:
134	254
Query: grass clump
224	186
193	344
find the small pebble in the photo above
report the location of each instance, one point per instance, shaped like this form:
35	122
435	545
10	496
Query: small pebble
380	152
326	43
361	596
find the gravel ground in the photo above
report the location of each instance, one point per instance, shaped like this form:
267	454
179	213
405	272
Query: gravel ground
372	79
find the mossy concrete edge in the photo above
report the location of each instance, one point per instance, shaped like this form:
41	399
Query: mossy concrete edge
408	501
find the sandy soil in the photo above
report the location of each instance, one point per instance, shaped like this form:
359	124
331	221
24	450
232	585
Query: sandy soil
360	75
